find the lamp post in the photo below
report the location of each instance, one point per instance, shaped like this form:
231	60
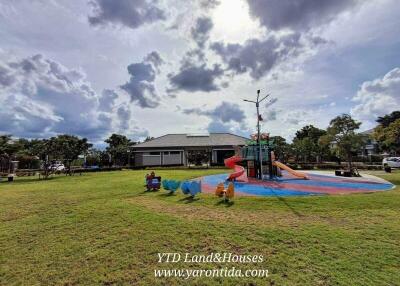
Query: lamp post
129	157
257	103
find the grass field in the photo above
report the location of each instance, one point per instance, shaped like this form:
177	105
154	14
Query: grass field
103	229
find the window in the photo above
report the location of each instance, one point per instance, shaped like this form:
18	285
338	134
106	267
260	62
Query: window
155	153
166	153
175	152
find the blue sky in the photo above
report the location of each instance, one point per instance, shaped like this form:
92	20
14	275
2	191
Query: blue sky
140	68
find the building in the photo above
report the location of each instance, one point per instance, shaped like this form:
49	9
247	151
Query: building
371	146
187	149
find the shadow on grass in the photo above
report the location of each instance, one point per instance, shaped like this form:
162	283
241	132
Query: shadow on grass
283	200
30	180
227	204
169	194
149	191
188	200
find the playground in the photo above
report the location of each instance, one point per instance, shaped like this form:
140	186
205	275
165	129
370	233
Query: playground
319	183
256	171
105	228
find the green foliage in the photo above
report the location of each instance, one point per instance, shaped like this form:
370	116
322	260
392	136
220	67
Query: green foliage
388	137
386	120
306	144
67	147
197	157
7	145
344	139
119	148
281	148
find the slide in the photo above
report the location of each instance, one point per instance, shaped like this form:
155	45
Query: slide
239	173
290	170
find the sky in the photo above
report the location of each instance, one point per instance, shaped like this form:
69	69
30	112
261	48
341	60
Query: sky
148	68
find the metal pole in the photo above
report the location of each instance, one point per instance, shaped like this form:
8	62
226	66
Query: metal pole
258	135
269	160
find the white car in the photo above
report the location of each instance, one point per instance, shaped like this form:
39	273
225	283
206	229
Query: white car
392	162
58	167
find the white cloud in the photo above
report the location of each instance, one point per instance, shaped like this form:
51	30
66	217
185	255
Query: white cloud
377	97
40	97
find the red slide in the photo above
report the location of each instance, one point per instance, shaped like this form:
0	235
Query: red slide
239	173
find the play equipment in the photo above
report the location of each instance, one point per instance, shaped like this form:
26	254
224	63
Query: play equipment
171	185
256	152
290	170
251	155
191	187
227	193
153	182
239	173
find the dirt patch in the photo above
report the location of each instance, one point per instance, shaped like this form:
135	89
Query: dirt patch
230	215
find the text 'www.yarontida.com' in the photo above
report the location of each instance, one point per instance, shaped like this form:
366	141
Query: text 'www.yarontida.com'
211	273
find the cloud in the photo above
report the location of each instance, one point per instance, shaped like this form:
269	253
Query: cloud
124	115
216	126
270	115
209	4
129	13
225	117
107	100
224	112
258	56
194	74
154	58
194	78
40	98
377	97
140	86
200	32
297	15
290	34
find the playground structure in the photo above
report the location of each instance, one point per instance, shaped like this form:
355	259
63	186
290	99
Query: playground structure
257	155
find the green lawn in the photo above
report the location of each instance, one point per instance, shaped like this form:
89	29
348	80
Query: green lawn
103	229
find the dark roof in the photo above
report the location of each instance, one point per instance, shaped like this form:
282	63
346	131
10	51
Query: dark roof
193	140
368	132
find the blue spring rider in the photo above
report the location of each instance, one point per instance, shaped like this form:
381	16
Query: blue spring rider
191	188
171	185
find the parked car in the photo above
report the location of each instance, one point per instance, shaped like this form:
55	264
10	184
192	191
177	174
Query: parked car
57	167
390	162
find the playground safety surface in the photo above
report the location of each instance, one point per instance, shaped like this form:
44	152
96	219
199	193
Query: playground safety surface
319	183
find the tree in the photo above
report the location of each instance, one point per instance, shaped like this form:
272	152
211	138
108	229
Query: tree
67	147
5	144
388	137
148	138
344	139
118	146
281	147
306	143
386	120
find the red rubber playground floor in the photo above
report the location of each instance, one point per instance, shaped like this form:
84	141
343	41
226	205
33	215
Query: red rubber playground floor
287	185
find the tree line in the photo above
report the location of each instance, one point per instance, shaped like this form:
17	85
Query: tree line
65	147
341	141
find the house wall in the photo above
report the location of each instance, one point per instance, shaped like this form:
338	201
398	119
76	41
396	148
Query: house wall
176	156
151	159
172	158
158	157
